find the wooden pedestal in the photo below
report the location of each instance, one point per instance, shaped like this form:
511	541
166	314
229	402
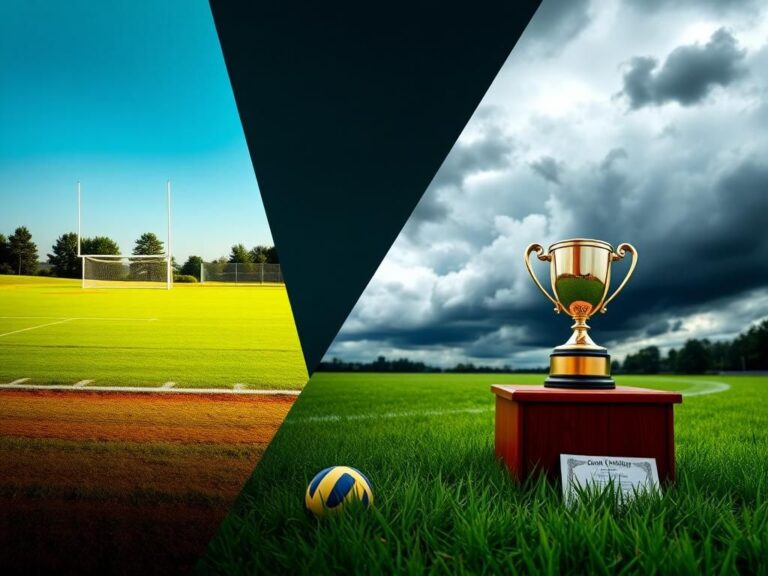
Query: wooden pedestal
534	425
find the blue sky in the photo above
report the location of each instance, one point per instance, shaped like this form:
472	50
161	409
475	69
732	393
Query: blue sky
122	96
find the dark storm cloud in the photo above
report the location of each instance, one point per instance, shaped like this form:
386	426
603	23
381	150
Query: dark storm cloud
709	251
687	186
556	23
662	326
429	209
548	168
711	247
612	157
687	75
488	152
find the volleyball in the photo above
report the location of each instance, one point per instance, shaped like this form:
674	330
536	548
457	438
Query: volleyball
335	487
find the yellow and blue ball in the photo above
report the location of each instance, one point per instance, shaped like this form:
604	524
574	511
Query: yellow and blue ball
335	487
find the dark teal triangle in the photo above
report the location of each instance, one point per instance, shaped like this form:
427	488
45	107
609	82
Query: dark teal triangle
349	109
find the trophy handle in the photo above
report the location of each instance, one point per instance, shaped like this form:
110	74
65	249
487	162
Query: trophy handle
544	258
621	251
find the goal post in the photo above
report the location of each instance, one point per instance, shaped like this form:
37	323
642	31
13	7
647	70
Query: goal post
127	270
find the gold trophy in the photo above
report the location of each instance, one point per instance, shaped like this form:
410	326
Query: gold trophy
580	270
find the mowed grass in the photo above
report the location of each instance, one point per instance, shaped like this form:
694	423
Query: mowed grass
54	332
444	505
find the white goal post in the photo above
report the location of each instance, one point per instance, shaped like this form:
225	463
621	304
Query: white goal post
126	270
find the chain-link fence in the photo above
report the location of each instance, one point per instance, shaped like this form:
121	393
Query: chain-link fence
241	273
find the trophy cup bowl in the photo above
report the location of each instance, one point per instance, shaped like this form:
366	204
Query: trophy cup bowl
580	272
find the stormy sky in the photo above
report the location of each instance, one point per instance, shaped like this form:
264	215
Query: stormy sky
628	121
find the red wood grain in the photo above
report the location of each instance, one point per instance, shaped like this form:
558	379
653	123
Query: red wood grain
534	425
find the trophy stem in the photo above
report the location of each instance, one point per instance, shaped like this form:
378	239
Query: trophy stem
580	335
580	338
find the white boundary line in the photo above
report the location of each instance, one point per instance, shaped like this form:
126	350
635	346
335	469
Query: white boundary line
116	318
711	387
337	418
81	384
156	390
36	327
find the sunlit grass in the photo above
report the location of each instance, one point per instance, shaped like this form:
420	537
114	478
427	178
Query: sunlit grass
54	332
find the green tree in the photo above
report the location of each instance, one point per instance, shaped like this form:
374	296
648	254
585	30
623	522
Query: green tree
65	261
750	350
646	361
5	256
670	362
23	251
267	254
239	254
149	244
102	245
693	357
258	254
192	266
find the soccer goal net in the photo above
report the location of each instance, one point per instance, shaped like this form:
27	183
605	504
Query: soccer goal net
126	272
148	270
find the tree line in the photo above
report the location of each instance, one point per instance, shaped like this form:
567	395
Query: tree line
19	254
748	351
382	364
239	254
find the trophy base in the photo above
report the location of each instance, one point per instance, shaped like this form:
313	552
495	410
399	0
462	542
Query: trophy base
584	369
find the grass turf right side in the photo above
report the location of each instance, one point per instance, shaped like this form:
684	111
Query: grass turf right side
444	505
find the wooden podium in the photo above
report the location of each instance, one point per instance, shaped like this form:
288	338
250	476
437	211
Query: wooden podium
534	425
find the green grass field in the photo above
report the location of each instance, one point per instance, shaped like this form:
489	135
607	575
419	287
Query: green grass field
54	332
444	505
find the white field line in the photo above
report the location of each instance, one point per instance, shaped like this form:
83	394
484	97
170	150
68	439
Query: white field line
17	382
238	386
116	319
710	387
337	418
154	390
77	318
36	327
167	385
62	321
81	384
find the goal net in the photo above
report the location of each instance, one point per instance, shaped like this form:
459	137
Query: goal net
126	272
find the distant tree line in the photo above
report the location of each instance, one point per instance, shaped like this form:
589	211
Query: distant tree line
382	364
239	254
748	351
19	255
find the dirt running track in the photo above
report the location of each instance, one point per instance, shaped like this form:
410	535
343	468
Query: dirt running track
122	483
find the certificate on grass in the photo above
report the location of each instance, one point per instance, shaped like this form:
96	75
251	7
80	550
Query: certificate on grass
628	476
